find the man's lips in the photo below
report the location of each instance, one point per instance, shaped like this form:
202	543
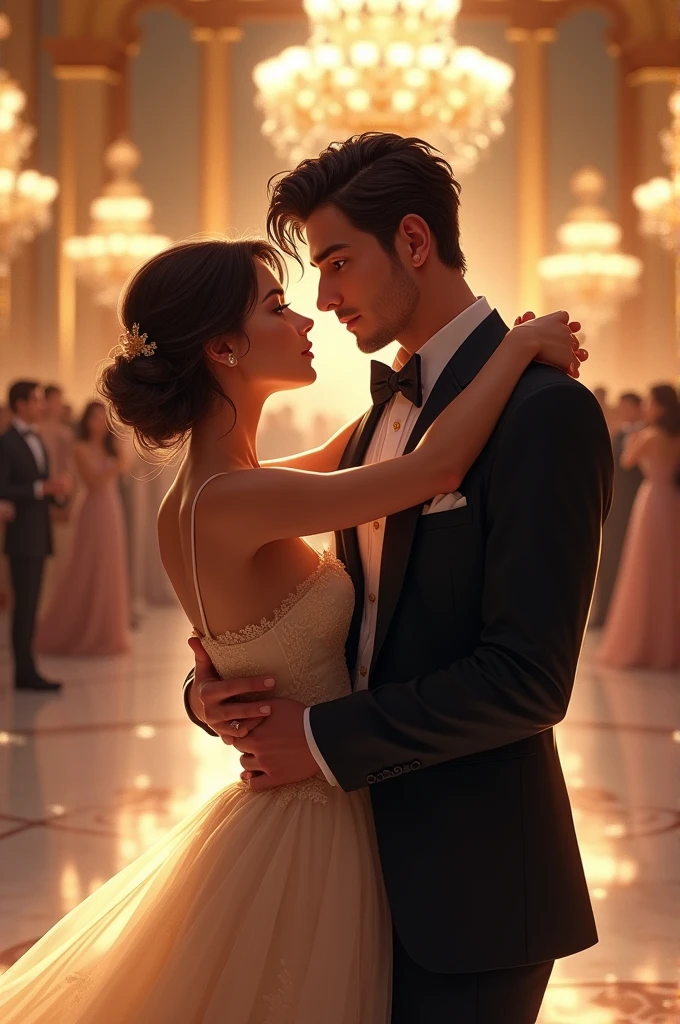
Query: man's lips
350	321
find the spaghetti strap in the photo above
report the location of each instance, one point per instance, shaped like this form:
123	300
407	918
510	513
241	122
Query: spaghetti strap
201	609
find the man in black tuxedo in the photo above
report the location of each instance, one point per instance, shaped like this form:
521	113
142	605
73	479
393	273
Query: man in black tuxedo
470	610
25	481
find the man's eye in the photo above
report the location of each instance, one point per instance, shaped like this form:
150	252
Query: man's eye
281	309
339	264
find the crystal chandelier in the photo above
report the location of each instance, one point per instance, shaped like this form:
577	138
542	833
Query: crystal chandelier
383	65
590	274
122	235
26	197
658	200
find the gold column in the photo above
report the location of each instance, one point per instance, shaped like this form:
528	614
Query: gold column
531	103
215	124
86	103
20	301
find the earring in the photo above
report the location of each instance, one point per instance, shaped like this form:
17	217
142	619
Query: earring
231	359
416	258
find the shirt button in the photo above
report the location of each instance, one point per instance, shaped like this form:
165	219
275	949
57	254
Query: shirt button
376	525
363	670
396	425
371	598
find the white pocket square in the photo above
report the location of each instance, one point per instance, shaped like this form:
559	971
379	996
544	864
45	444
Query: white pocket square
445	503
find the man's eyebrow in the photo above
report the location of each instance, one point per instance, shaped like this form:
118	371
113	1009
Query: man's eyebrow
273	291
328	251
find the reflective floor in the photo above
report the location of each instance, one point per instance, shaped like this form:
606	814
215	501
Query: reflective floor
89	779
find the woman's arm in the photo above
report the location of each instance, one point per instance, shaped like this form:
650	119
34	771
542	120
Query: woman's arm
92	476
636	446
271	504
324	459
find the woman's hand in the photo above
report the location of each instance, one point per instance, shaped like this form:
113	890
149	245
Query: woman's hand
553	339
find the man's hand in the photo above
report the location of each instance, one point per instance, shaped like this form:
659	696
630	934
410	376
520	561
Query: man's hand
277	752
215	698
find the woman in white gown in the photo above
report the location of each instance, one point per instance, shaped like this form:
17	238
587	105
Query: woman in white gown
261	907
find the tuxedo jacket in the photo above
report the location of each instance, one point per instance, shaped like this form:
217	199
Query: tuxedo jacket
481	616
29	535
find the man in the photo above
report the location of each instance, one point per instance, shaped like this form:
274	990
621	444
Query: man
25	481
626	482
470	610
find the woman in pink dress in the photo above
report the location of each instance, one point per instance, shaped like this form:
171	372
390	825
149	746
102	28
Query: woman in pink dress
643	625
89	612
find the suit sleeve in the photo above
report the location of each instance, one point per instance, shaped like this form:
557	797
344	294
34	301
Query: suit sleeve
549	492
10	490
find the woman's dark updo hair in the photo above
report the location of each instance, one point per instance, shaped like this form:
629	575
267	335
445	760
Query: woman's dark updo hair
83	429
666	398
182	298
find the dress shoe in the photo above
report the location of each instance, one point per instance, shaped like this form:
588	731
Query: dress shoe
38	683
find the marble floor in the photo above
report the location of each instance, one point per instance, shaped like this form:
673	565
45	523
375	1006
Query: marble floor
89	779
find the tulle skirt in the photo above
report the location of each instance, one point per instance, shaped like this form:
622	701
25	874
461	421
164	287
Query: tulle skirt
260	908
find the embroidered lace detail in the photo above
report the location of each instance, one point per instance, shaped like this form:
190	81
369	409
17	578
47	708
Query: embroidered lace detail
281	1006
314	789
254	630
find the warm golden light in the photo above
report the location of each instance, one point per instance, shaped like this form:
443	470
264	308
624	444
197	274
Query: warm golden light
387	65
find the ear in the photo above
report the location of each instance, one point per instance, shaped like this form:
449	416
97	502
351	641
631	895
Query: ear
220	349
414	239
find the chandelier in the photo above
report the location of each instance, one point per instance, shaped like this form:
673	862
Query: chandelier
383	65
658	200
121	235
590	273
26	197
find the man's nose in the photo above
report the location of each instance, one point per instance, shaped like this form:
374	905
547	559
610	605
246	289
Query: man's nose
326	300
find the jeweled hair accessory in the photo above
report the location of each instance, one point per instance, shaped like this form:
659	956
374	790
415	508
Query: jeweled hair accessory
133	344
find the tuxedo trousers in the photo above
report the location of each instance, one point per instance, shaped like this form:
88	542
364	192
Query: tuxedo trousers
26	575
512	996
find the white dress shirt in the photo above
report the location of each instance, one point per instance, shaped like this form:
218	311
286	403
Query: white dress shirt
388	442
37	451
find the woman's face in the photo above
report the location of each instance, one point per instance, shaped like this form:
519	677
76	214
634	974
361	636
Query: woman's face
276	351
97	426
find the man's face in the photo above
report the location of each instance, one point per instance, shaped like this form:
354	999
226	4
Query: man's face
370	291
31	411
629	412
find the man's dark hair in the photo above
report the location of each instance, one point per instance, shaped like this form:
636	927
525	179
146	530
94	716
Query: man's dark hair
21	391
53	389
631	396
375	180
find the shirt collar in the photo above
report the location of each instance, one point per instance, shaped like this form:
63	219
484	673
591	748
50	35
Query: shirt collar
22	426
437	352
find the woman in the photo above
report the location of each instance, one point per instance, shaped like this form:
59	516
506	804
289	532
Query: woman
643	625
89	612
261	908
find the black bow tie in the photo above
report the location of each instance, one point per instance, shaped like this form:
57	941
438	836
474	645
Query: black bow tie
386	382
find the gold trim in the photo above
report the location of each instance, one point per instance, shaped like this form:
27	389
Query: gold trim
228	34
87	73
646	76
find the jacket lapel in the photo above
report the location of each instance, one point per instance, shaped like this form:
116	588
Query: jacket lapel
400	528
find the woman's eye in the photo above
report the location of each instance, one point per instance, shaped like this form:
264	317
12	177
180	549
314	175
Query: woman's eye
281	309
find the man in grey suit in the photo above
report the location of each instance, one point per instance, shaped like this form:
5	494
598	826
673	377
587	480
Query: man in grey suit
25	481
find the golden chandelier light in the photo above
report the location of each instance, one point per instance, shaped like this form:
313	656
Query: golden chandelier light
26	196
590	274
383	65
658	200
122	235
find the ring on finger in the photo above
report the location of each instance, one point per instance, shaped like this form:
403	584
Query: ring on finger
236	725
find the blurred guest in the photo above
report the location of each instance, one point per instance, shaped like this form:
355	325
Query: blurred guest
609	412
643	625
279	435
89	613
626	483
5	418
26	481
55	434
7	513
322	427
